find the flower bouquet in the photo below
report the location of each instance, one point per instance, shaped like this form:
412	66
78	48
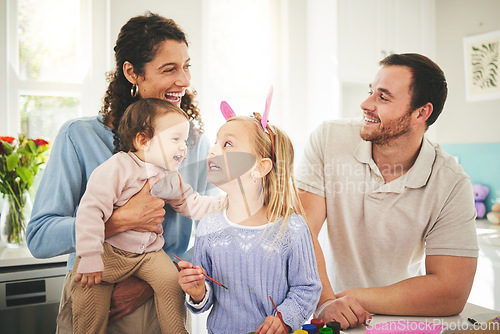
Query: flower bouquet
19	163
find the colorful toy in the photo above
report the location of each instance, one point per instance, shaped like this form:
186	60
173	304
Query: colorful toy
480	193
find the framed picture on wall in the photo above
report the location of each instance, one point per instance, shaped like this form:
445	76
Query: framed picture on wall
482	66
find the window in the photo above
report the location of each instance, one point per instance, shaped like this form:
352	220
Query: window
48	65
237	57
47	75
249	45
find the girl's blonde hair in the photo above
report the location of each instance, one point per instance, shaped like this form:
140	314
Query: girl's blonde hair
279	191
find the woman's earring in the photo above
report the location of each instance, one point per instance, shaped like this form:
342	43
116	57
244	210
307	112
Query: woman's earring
134	91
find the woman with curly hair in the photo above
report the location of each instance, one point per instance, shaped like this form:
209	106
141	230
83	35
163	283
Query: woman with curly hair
152	61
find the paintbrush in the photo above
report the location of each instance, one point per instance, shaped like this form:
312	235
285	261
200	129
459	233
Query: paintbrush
210	278
278	314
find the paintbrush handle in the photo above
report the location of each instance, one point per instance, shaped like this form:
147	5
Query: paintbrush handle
278	314
178	258
210	278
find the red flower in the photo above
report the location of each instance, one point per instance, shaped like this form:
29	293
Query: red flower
7	139
41	142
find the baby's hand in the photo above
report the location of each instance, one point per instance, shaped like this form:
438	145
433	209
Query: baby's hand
89	279
271	325
192	280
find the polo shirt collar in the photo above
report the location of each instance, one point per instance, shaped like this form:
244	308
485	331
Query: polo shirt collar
363	152
418	174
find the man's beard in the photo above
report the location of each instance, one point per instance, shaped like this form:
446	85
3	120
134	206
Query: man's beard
389	131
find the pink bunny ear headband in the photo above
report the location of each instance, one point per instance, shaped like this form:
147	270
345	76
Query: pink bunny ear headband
228	113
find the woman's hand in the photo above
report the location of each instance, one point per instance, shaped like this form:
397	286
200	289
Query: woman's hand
128	295
143	213
272	325
192	281
89	279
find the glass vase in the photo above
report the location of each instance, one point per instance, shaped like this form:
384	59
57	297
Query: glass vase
16	212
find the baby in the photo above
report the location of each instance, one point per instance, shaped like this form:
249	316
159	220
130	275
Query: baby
153	136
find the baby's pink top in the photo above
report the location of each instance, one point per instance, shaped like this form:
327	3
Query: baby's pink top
110	186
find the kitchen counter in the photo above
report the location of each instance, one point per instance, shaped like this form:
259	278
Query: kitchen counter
485	291
486	288
29	289
488	233
455	324
10	257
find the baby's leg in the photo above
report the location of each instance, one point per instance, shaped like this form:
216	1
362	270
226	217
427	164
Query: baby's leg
90	306
160	272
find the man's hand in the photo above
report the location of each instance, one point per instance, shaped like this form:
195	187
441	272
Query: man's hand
271	325
89	279
143	212
192	281
345	310
127	296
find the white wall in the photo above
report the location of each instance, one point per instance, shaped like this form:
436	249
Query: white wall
455	19
462	121
322	60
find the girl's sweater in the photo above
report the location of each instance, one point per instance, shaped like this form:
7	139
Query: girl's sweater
254	265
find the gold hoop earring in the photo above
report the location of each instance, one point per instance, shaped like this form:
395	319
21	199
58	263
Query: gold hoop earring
134	90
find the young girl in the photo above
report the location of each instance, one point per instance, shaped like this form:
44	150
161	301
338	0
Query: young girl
259	246
153	136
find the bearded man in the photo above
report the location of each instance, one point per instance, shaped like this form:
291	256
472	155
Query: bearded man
399	210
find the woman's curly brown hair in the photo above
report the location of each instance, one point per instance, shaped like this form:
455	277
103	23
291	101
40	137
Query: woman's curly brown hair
137	43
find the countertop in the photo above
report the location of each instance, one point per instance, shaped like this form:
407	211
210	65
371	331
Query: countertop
486	287
489	241
17	264
488	233
455	324
10	257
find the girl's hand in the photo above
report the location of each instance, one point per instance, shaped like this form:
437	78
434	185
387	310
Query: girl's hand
192	281
271	325
89	279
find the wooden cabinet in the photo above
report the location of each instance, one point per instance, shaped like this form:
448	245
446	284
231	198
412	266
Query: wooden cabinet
369	30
